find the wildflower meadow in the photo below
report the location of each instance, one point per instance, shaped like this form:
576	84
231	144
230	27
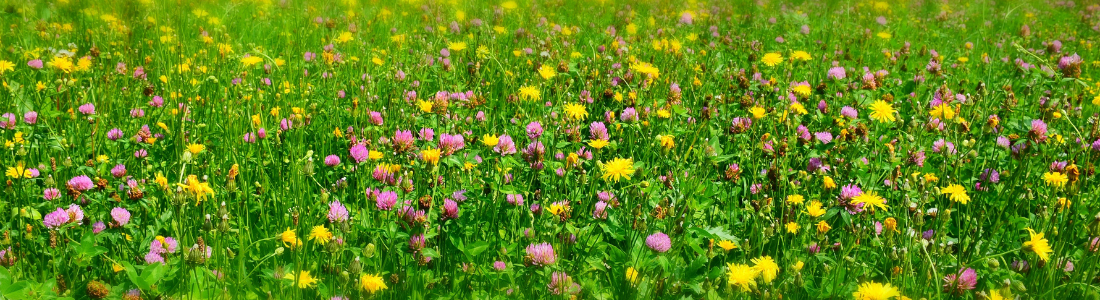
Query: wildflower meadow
549	149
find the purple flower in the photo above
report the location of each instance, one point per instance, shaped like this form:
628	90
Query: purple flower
824	137
541	254
505	145
500	266
167	245
376	118
332	160
836	73
427	134
451	143
81	183
118	171
450	209
51	194
966	279
121	216
629	115
7	120
562	284
417	242
87	109
514	199
31	117
534	130
600	212
153	258
685	18
98	227
359	153
403	140
37	64
849	112
1038	130
658	242
308	56
337	212
56	218
598	131
386	200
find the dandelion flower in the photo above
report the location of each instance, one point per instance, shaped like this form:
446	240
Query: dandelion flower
251	60
800	55
289	238
742	276
882	112
195	148
618	168
871	201
792	227
1039	245
576	111
547	72
766	267
796	199
757	112
632	275
529	93
1055	179
456	46
957	193
489	140
371	283
727	245
667	141
772	59
320	234
431	155
303	279
876	291
814	209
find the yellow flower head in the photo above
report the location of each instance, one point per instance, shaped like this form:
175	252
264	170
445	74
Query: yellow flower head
1055	179
195	148
431	155
882	112
371	283
766	267
814	209
490	140
617	169
598	144
290	239
667	141
320	234
1039	245
876	291
870	201
795	199
304	280
956	192
547	72
772	59
727	245
632	275
742	276
251	60
576	111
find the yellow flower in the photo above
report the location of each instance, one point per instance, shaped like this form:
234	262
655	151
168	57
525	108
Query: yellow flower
529	93
371	283
828	182
727	245
943	111
957	193
823	227
814	209
251	60
198	189
576	111
557	208
1055	179
772	59
161	180
884	35
117	268
632	275
875	291
18	171
617	169
509	5
800	55
303	279
598	144
1038	245
425	106
798	108
290	239
930	177
646	68
345	37
995	295
802	89
870	201
796	199
664	114
375	155
793	227
797	267
742	276
431	155
547	72
456	46
882	111
490	140
6	66
766	267
195	148
65	64
758	112
666	141
320	234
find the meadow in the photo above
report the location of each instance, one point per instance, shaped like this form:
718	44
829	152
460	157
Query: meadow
550	149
